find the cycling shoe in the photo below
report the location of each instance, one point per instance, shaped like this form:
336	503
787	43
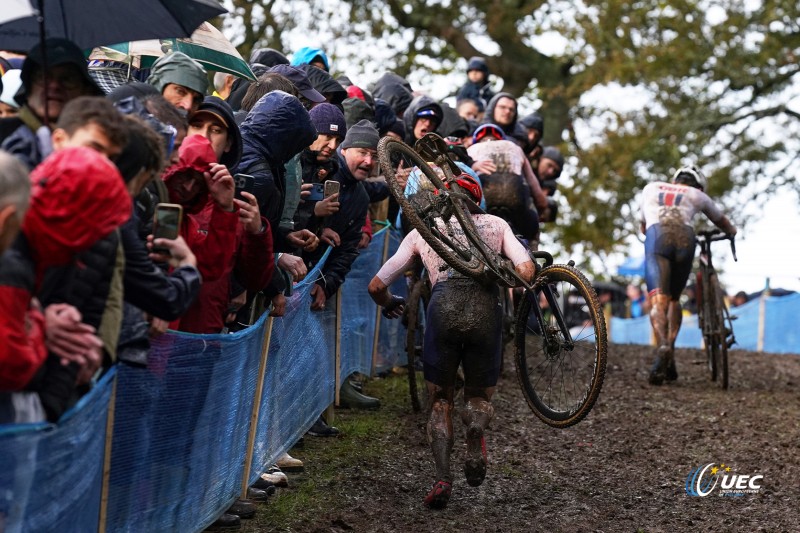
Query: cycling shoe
439	495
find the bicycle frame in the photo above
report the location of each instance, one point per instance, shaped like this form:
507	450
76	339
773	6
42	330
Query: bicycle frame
497	268
550	342
715	320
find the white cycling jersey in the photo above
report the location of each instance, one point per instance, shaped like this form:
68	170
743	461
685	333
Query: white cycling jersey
494	231
664	202
507	156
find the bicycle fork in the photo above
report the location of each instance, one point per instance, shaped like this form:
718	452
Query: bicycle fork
553	344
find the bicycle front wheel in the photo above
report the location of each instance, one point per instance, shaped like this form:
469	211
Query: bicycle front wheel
428	207
561	351
707	315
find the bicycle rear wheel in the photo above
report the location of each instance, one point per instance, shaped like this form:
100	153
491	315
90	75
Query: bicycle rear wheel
561	380
719	337
441	220
417	302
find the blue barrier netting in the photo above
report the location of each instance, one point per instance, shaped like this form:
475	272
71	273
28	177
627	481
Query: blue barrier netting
299	378
778	317
51	475
181	425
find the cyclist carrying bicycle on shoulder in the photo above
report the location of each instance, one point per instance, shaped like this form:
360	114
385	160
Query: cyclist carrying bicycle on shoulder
463	326
667	213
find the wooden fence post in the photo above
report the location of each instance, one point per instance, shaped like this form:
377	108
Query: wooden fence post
112	402
251	437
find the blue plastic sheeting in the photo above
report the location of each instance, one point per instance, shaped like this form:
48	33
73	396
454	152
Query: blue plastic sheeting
630	330
633	266
358	323
781	327
782	324
300	375
51	476
690	335
745	326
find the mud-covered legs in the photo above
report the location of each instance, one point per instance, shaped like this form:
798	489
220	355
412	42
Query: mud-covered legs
476	416
440	429
665	317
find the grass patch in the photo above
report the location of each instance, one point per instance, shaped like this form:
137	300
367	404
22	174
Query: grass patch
509	471
329	461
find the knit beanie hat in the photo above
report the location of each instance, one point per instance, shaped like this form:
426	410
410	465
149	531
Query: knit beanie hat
328	119
478	63
552	153
180	69
356	110
534	121
362	135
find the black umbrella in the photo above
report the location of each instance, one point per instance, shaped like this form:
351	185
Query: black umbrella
90	23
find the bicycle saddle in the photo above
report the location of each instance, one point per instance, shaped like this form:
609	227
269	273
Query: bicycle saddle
433	148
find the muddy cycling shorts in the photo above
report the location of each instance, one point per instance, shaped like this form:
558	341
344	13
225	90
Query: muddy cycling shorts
463	326
508	196
668	255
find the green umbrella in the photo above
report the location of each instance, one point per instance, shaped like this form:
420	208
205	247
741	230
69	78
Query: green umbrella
207	45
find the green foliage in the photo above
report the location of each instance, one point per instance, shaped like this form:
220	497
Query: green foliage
715	80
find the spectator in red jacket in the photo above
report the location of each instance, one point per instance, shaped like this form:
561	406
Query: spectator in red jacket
77	197
224	233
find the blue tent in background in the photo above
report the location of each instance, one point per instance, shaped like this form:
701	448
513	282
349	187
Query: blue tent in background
633	266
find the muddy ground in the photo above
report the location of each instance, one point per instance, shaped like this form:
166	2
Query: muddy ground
623	468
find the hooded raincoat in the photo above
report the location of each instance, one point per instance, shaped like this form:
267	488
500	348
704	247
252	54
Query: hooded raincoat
515	131
220	243
420	103
275	130
78	197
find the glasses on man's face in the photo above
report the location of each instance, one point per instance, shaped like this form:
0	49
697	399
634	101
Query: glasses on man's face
366	153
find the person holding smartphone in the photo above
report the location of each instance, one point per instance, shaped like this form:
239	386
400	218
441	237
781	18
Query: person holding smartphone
357	158
226	235
319	163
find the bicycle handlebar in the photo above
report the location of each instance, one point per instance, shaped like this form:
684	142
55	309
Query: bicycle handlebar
717	234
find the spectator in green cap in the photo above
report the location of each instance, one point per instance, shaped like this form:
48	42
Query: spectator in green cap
181	80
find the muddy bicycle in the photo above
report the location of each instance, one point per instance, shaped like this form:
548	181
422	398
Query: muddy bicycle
714	319
560	333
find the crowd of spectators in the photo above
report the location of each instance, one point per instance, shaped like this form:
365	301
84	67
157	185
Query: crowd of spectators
91	152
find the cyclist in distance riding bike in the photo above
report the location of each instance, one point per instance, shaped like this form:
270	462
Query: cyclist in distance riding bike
463	326
510	185
667	213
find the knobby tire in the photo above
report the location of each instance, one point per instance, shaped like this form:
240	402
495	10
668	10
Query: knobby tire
720	338
539	371
417	300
